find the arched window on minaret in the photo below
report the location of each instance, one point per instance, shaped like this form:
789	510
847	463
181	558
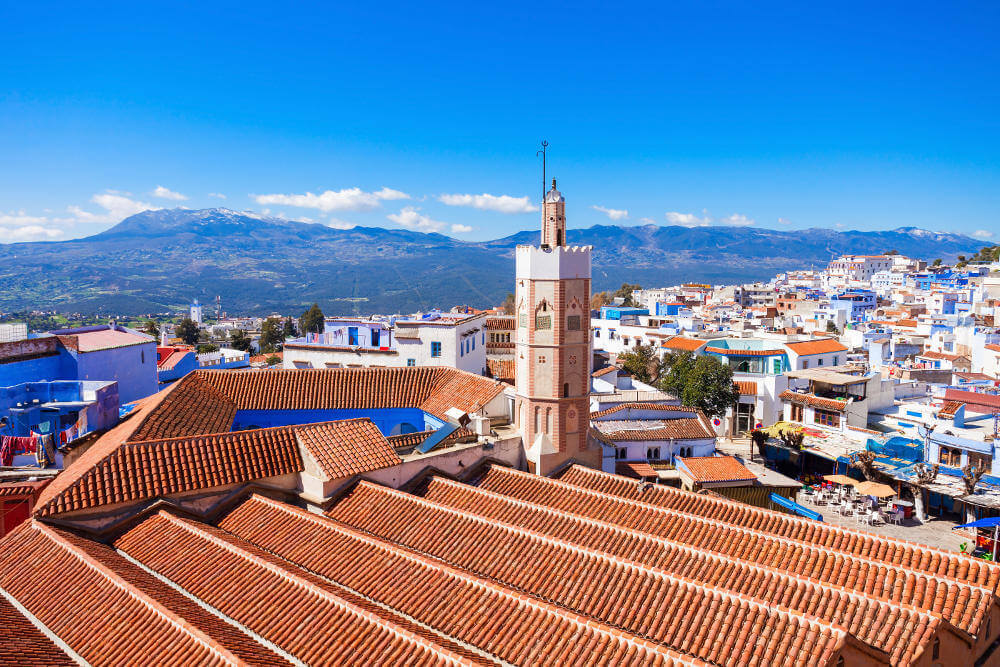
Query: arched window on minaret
565	389
548	420
538	416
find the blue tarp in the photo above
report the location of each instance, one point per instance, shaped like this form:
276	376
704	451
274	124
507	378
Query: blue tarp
991	522
795	507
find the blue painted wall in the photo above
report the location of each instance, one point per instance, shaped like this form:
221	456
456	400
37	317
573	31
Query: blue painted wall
64	400
133	367
390	421
54	367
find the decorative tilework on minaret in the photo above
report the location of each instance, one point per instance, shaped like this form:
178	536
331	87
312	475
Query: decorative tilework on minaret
552	351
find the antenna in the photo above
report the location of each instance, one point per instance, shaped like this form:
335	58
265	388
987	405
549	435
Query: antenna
545	145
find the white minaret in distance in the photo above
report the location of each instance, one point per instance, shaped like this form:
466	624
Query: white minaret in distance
196	313
552	353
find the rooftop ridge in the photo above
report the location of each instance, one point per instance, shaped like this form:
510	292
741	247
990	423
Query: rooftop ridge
522	599
647	537
310	587
759	511
155	606
687	583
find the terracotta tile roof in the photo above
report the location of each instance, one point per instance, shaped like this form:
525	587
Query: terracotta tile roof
448	599
501	369
895	552
974	401
902	630
293	609
105	339
635	469
992	347
974	376
8	489
94	610
671	610
940	355
813	400
642	406
262	358
21	643
348	447
949	409
818	551
746	387
683	343
716	469
141	470
505	323
414	439
604	371
818	346
191	406
744	353
170	357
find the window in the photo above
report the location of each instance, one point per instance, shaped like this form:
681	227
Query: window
435	349
951	457
819	362
777	367
142	356
573	323
827	418
597	333
543	321
566	390
352	335
805	364
461	348
936	648
621	453
541	358
653	453
376	337
836	360
473	342
797	413
984	461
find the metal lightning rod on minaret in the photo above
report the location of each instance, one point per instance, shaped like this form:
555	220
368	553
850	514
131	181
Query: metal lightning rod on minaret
545	145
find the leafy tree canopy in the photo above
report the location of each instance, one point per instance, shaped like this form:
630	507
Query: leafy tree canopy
152	328
288	329
700	382
187	331
508	304
642	363
207	347
271	336
240	340
311	320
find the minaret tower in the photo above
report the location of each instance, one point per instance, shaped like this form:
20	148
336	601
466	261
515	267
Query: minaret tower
552	354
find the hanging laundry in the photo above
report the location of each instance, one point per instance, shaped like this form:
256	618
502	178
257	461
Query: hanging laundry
6	451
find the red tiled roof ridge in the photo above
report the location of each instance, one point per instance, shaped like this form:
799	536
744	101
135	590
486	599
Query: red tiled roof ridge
141	597
793	519
308	586
932	618
744	353
644	406
524	599
267	429
685	581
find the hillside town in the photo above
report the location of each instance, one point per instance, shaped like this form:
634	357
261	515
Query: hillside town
784	457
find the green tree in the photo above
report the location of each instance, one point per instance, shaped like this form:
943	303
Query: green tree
599	299
832	327
271	336
642	363
240	340
936	262
288	328
187	331
710	387
207	347
625	292
311	320
273	360
152	328
674	371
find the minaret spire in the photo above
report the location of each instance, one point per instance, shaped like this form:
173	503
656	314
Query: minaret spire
553	218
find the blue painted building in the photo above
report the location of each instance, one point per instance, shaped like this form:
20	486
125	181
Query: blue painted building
618	312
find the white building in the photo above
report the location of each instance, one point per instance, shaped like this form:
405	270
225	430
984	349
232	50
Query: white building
196	312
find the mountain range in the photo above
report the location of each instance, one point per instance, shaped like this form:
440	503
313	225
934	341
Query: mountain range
161	260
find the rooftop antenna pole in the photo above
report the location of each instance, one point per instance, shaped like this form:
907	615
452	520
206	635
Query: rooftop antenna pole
545	145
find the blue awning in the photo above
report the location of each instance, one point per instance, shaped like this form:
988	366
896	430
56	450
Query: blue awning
991	522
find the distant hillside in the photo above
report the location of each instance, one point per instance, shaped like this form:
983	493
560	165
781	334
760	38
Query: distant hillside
159	260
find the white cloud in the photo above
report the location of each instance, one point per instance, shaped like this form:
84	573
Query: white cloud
340	224
411	218
687	219
217	195
17	218
460	229
348	199
31	233
982	234
487	202
784	221
613	213
647	221
115	205
167	193
737	220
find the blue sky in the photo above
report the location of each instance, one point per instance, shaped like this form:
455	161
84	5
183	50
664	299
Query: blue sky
780	115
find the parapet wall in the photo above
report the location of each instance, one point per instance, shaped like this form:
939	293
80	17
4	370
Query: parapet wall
552	263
